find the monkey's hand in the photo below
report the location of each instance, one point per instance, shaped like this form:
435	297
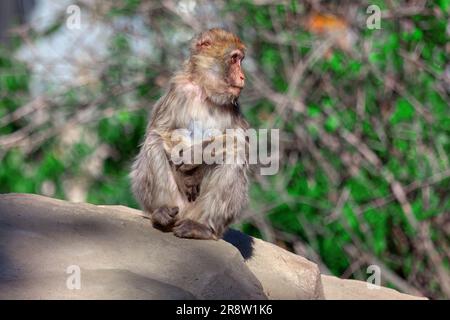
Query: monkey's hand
190	151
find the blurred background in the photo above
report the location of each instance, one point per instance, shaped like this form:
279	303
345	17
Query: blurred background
362	104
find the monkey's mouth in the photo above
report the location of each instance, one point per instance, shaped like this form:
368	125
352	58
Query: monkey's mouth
236	88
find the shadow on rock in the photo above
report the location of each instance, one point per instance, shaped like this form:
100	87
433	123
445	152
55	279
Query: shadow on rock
241	241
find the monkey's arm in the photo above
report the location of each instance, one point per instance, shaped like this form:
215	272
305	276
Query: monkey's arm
218	149
152	180
187	152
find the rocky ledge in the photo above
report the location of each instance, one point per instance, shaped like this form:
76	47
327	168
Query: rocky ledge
53	249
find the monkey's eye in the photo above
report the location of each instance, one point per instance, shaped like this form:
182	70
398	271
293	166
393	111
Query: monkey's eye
234	58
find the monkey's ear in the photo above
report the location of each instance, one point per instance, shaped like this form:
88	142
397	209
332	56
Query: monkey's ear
202	42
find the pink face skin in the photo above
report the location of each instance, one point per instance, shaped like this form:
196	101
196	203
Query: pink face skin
236	77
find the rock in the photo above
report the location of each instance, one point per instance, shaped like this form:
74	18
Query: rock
283	275
341	289
120	254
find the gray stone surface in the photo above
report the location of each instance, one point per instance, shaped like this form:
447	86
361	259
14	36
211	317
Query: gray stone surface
121	256
283	275
343	289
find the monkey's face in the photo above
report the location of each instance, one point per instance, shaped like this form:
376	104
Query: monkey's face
217	60
234	75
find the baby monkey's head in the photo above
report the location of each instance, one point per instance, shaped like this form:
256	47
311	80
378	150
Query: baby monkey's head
215	65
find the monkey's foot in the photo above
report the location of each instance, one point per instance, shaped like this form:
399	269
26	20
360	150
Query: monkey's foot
193	230
164	216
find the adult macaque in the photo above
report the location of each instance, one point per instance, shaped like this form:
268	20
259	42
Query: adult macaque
195	200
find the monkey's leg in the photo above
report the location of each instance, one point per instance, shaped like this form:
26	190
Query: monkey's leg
164	217
153	183
189	180
191	229
223	195
189	176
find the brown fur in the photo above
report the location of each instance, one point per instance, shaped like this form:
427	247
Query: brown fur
195	201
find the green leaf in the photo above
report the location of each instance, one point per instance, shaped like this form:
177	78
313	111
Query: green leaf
445	5
404	111
332	123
